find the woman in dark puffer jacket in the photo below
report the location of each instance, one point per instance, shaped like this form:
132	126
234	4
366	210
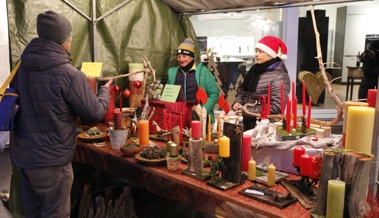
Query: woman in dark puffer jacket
269	69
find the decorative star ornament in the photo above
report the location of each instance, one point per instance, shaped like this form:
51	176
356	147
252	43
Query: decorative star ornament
238	130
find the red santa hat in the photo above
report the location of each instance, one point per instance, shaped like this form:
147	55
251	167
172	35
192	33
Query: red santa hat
273	46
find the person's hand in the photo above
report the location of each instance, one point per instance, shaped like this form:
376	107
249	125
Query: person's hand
237	106
108	83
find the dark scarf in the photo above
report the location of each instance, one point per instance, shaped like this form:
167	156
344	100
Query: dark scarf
252	77
186	68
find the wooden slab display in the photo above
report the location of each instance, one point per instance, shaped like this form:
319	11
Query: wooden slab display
222	184
270	197
211	147
233	164
279	176
303	199
204	177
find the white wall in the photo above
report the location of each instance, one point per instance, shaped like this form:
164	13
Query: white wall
4	58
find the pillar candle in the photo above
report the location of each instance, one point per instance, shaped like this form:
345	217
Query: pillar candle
297	152
316	167
174	150
336	199
209	139
371	97
271	173
224	146
143	132
305	165
288	114
268	98
309	112
117	118
196	129
281	98
252	169
295	114
246	151
347	104
360	128
303	101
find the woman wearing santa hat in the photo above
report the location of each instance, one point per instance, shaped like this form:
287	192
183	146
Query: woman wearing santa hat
270	52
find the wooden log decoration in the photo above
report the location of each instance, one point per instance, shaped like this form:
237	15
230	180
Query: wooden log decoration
351	167
195	156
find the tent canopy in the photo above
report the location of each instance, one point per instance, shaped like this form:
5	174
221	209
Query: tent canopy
216	6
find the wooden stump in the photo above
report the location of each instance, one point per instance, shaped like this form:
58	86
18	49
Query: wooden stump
352	168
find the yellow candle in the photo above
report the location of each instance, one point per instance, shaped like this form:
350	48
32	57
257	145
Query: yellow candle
252	169
143	132
336	199
209	128
360	128
224	147
271	172
347	104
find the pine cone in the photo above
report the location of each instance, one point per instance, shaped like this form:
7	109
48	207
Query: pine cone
303	125
284	123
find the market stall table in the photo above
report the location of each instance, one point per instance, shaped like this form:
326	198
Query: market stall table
174	185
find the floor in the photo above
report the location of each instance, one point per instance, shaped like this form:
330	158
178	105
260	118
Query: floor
148	204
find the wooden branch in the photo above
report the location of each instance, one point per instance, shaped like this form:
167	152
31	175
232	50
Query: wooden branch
126	75
147	64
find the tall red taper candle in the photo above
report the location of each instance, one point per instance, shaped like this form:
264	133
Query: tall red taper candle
281	98
263	108
181	127
246	151
295	114
164	120
293	98
303	101
309	112
268	98
288	114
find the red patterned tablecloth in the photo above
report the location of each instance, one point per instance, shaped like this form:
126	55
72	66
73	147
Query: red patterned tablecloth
174	185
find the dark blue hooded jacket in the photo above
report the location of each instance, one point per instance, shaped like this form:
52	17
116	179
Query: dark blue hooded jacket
52	94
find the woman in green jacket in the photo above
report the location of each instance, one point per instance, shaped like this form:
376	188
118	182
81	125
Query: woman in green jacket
191	75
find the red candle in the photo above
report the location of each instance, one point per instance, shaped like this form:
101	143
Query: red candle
288	114
246	151
164	119
309	112
305	165
111	107
268	98
316	167
293	97
181	127
371	97
281	98
195	129
117	118
169	122
295	114
297	152
303	99
263	109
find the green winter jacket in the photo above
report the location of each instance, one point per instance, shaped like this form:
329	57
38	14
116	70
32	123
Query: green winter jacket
205	80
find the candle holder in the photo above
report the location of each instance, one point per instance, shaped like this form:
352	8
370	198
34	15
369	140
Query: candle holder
306	185
195	161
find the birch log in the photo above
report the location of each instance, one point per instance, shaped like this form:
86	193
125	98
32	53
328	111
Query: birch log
352	168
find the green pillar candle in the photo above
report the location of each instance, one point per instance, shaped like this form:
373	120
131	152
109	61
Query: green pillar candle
336	199
169	143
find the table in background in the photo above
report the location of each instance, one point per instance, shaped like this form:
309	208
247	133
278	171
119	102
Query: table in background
352	74
174	185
